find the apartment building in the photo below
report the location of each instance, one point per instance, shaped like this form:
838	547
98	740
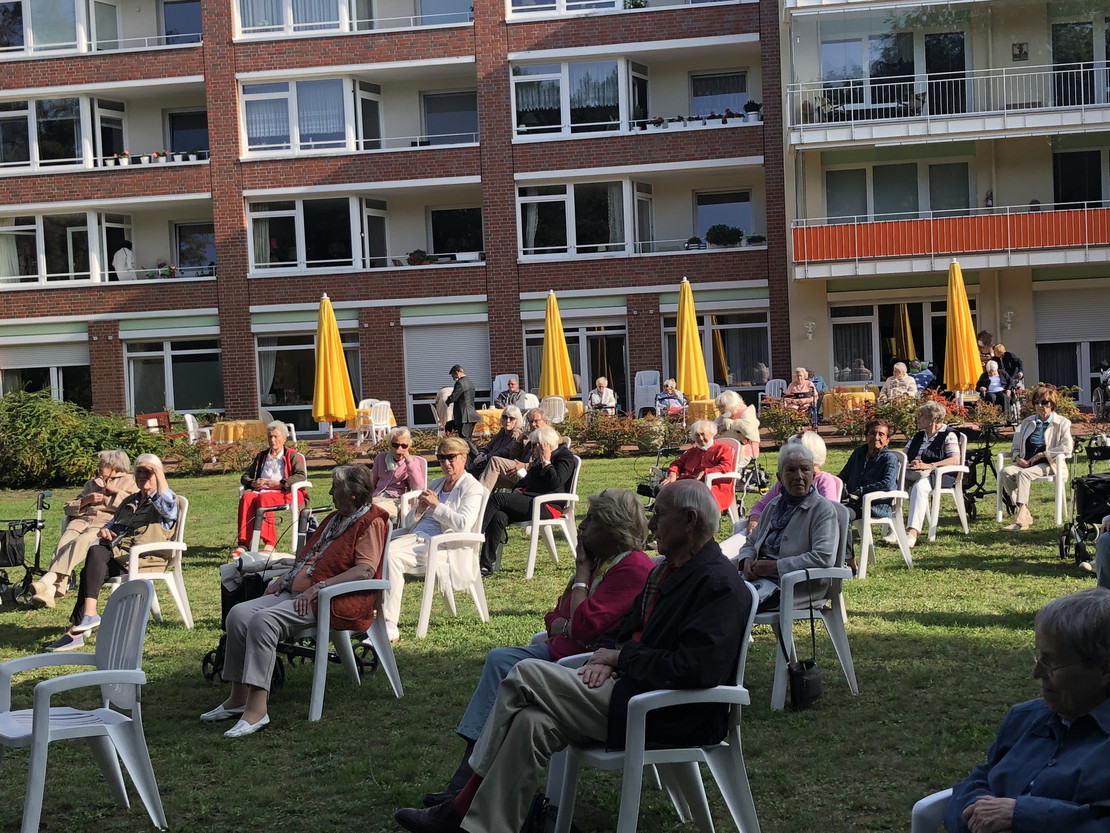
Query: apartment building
434	166
918	132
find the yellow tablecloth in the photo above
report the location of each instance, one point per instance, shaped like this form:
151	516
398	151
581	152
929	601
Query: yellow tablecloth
490	420
834	403
700	409
575	407
365	412
238	429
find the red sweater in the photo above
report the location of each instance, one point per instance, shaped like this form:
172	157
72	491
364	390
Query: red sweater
716	458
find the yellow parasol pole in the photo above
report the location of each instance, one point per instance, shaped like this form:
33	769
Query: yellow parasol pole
332	398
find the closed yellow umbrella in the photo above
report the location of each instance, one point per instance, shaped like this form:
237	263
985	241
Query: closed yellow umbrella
962	367
904	348
556	376
690	378
332	398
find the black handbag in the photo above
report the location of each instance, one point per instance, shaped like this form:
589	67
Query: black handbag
803	674
541	816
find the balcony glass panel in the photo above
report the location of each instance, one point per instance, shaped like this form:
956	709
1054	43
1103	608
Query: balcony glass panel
11	26
181	21
451	118
54	24
895	188
59	130
594	97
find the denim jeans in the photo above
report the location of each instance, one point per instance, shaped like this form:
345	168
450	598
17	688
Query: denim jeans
499	662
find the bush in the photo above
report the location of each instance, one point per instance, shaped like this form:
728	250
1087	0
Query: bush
901	413
237	456
782	421
1065	403
190	458
341	449
44	442
724	235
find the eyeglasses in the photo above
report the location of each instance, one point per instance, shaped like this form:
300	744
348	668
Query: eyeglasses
508	419
400	445
147	472
1049	670
443	458
1042	402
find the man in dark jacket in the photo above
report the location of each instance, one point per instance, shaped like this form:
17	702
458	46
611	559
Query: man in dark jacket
462	397
683	631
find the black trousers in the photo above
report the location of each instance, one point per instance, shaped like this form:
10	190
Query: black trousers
99	567
466	431
503	508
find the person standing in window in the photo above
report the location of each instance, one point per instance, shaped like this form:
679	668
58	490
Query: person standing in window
123	262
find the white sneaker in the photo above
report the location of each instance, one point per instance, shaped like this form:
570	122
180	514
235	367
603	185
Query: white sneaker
1087	567
891	539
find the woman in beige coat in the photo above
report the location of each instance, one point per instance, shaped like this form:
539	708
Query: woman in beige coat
85	515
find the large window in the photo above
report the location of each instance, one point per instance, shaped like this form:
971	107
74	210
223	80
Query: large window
575	97
287	372
18	250
736	346
873	70
897	191
301	234
717	92
43	132
456	230
66	384
305	115
181	21
188	131
585	218
196	250
730	208
179	376
594	349
451	118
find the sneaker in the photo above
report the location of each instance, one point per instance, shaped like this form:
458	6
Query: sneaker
87	624
1087	567
891	539
67	643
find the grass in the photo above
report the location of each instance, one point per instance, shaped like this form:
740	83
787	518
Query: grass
941	652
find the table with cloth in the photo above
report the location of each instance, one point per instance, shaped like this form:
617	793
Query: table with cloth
234	430
701	409
489	420
834	402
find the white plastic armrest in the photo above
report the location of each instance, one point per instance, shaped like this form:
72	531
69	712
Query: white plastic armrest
943	470
1001	460
928	813
791	580
735	476
871	497
443	540
206	433
343	588
85	679
662	698
408	505
575	660
15	666
140	550
553	497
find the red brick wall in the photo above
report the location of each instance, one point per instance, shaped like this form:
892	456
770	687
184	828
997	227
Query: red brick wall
106	367
645	336
381	346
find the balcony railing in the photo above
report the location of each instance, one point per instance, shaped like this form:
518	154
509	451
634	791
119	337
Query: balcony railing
993	230
551	8
384	143
464	16
816	104
87	278
51	50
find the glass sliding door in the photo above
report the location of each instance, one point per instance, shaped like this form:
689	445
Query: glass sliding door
946	68
1073	68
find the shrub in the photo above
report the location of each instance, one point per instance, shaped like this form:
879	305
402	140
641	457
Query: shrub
236	456
782	421
901	413
342	450
190	458
724	235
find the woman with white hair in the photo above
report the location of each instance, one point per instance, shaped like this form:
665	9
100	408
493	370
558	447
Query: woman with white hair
396	472
267	482
900	385
669	400
84	516
827	485
602	398
507	443
801	394
705	457
994	386
932	446
739	421
147	516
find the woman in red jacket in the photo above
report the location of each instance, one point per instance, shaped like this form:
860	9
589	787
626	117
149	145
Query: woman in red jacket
267	482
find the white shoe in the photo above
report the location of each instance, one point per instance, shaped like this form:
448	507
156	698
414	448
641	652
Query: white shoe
1087	567
220	713
891	539
242	728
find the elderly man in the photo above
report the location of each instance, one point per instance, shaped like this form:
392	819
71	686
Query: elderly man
900	385
513	396
683	631
871	468
1047	768
706	457
504	470
462	401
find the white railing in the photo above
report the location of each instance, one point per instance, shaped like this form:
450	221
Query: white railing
462	17
383	143
526	8
106	45
815	104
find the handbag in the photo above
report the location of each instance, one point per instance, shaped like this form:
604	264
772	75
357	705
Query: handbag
541	817
803	674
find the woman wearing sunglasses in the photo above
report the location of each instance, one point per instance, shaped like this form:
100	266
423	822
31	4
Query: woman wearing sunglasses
396	472
1041	437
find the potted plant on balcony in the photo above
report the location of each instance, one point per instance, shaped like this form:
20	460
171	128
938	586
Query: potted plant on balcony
639	117
659	122
756	240
158	156
635	4
122	158
178	156
694	243
723	235
419	257
751	110
191	155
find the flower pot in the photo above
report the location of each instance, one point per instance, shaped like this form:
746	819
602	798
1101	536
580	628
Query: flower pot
751	117
179	157
160	159
124	160
144	160
192	157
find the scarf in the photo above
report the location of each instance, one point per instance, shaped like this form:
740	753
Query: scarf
785	507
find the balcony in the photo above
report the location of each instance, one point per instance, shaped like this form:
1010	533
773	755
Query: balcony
982	103
537	9
267	19
990	239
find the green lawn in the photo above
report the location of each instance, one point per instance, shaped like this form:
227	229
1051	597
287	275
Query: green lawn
941	653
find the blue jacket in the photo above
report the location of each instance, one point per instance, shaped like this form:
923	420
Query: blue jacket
879	474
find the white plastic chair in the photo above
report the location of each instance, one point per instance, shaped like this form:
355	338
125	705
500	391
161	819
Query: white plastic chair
194	429
830	608
565	522
379	421
714	390
531	401
449	546
174	550
928	813
1059	479
112	735
732	545
774	389
677	767
500	385
865	525
554	408
294	507
646	388
956	491
267	418
377	637
734	475
362	420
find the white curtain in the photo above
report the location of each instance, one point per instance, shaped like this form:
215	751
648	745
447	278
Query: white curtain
9	256
852	352
261	14
531	222
267	121
320	109
261	235
537	95
315	14
267	363
616	212
593	84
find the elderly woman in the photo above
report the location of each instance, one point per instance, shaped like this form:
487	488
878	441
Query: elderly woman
994	386
602	398
84	516
899	386
450	504
669	400
931	447
1038	440
348	546
1011	365
739	421
610	569
396	472
801	395
149	515
267	482
827	485
507	443
1047	768
706	457
798	530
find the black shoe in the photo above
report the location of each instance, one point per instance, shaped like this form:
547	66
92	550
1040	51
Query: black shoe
439	819
435	799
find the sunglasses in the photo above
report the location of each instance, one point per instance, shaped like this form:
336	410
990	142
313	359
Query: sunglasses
400	445
443	458
508	419
1043	402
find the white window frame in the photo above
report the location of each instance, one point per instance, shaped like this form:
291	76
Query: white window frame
561	8
287	26
712	191
167	355
85	140
348	337
289	96
745	94
706	329
924	198
358	255
562	75
567	198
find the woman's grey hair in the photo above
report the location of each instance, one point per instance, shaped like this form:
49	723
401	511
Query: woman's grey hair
693	495
803	371
599	380
708	425
545	434
356	481
901	366
934	410
621	512
728	402
812	441
279	426
116	459
148	461
795	452
992	365
1081	622
512	411
400	432
670	383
